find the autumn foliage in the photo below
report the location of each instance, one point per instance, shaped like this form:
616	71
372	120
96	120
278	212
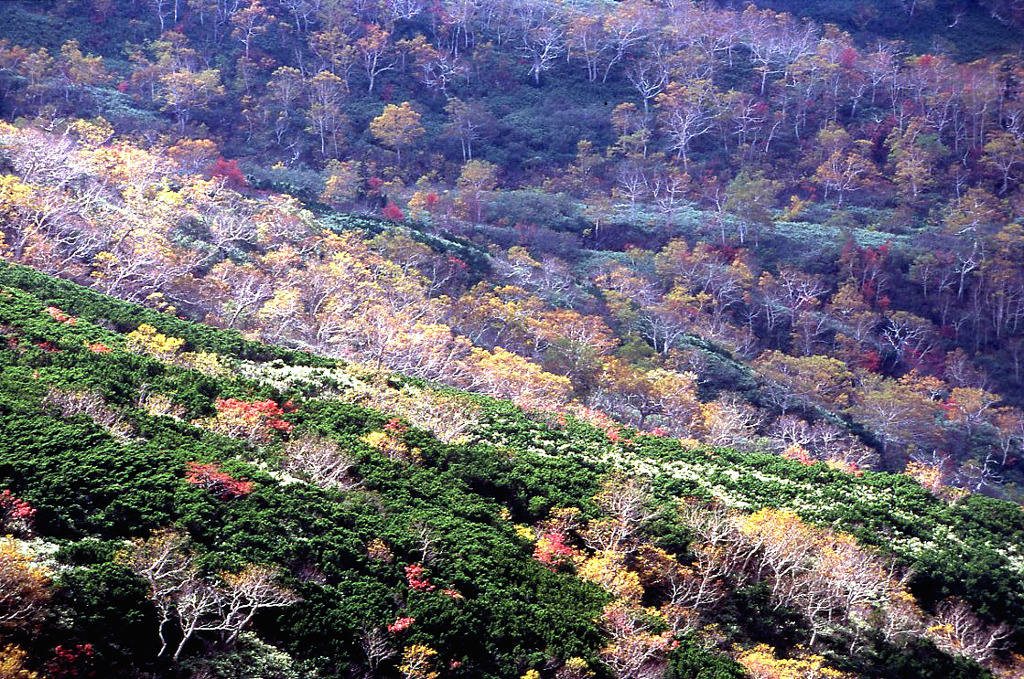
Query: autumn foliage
221	484
16	515
24	588
12	663
700	247
253	421
762	663
392	212
229	171
551	549
400	625
418	578
59	316
72	662
418	662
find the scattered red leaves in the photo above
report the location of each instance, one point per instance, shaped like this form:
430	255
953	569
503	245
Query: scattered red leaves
416	574
799	454
222	485
59	316
252	419
75	662
16	515
395	426
400	625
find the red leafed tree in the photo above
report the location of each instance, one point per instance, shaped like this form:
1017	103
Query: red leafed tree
74	662
229	171
393	212
551	549
254	421
418	578
220	483
400	625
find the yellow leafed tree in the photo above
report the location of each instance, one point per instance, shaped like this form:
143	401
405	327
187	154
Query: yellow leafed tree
397	127
418	662
761	663
24	587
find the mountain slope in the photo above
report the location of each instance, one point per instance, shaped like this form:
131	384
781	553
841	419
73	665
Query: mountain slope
111	434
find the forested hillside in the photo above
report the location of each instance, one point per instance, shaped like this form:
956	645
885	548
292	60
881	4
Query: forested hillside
967	29
748	277
181	501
